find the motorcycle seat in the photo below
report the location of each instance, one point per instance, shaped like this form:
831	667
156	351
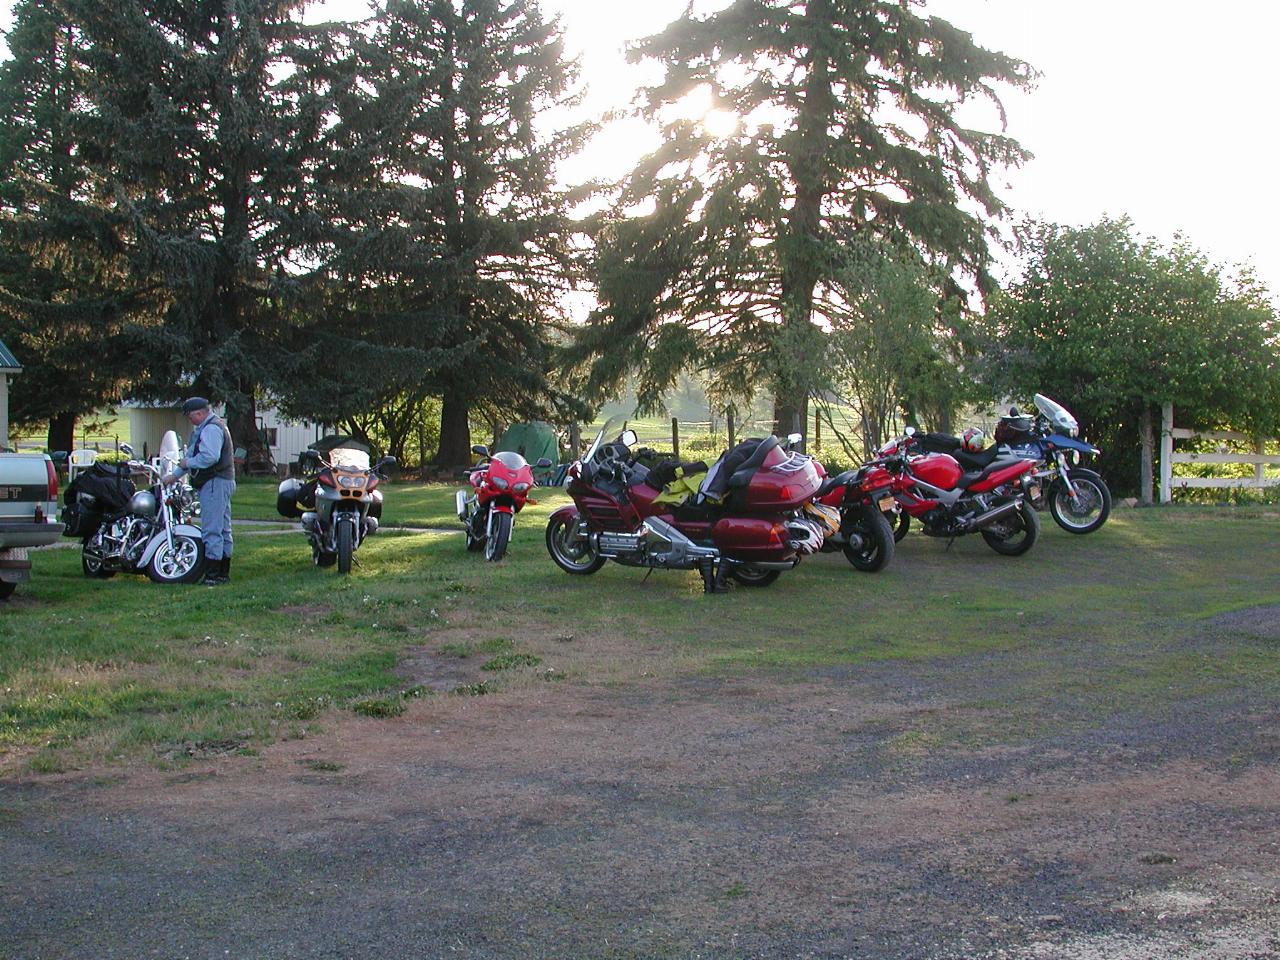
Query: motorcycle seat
975	461
973	476
839	480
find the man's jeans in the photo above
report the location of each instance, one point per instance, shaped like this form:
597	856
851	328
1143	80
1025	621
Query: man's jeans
215	517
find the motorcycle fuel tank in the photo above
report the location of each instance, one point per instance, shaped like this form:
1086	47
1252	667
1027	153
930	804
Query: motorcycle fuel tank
938	470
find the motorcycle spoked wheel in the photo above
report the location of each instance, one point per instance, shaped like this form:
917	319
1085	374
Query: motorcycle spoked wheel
495	545
183	564
1092	506
571	553
870	540
1014	535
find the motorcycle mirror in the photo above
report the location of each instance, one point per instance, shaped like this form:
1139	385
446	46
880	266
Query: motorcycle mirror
480	450
794	438
543	463
628	438
126	449
910	431
386	463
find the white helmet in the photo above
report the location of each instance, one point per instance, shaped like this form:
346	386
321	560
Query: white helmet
973	440
803	536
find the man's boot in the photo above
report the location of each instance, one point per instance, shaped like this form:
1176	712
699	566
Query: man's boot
213	575
226	569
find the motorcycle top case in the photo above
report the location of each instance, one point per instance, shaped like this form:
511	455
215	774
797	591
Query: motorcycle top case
1015	430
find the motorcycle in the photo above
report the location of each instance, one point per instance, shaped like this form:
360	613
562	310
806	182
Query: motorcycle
751	519
151	533
865	498
1078	499
500	486
994	500
339	503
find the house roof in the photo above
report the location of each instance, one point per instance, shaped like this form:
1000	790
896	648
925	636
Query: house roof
8	362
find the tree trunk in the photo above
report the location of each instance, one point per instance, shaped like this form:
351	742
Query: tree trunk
455	433
1146	434
62	432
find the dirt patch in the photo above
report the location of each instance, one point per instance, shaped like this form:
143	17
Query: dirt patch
1263	621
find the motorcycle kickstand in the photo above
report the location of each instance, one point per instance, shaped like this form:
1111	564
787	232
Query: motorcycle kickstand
949	543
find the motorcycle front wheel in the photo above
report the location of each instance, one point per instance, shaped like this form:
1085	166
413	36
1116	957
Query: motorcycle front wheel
346	546
572	554
1088	511
1016	534
183	563
900	524
495	547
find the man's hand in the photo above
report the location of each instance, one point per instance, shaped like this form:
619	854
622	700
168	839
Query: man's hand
169	479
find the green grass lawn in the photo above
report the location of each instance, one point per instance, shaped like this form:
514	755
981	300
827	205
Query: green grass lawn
121	670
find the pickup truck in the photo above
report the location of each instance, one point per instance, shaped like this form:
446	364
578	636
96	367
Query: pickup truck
28	514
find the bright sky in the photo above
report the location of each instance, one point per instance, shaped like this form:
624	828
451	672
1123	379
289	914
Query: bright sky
1164	110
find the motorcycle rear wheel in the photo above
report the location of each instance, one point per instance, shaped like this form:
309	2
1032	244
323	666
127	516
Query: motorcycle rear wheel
93	568
571	553
495	547
1016	535
750	575
183	564
876	548
1093	504
346	547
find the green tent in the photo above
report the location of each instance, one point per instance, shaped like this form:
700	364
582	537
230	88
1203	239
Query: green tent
532	440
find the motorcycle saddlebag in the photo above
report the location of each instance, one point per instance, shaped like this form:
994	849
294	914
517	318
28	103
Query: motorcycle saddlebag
80	520
110	484
287	495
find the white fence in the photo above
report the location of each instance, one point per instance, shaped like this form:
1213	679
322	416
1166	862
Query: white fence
1168	482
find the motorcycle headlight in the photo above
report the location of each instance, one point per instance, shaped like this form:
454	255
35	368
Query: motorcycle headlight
520	487
500	482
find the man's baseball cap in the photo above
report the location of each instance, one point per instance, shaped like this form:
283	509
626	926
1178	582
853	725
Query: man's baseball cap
193	404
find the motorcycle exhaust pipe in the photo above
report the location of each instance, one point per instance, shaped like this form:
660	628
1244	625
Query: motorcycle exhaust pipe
308	522
460	503
371	526
994	514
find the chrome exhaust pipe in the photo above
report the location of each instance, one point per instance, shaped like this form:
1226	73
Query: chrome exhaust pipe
994	514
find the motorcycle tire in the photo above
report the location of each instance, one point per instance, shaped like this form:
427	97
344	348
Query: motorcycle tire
475	542
877	540
346	546
1093	504
93	568
1010	542
900	524
6	589
495	547
571	555
183	564
751	576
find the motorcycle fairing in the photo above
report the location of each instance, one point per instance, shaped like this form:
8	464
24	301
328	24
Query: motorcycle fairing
1071	443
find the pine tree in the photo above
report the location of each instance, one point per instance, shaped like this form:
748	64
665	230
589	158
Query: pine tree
847	129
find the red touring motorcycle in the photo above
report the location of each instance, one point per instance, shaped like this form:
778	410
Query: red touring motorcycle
994	500
499	490
751	518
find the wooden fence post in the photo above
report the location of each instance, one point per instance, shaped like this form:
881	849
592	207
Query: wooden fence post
1147	440
1166	453
728	415
675	438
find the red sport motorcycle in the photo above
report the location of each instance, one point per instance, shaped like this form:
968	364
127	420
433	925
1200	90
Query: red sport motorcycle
751	519
500	488
994	500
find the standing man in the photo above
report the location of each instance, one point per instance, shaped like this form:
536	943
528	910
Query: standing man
209	461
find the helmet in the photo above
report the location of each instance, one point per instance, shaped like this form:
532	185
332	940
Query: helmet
143	504
973	440
803	535
827	518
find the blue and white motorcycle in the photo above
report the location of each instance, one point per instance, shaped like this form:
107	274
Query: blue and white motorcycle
1077	498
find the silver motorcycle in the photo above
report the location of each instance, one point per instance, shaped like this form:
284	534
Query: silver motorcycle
153	534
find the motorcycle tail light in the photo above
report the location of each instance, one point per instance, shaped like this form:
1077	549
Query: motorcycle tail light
53	480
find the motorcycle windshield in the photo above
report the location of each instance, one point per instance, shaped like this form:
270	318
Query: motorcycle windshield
511	460
349	459
611	427
1058	415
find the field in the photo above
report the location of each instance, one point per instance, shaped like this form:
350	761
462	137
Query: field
961	755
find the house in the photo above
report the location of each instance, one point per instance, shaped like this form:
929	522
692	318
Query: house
9	366
286	438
